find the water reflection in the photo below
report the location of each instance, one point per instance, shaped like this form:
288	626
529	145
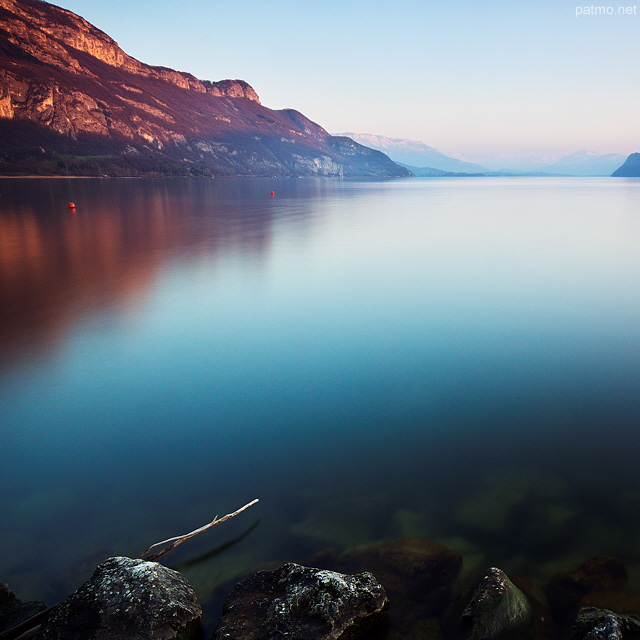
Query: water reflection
59	265
369	359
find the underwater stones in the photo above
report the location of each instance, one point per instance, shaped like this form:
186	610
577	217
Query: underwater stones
597	583
14	611
407	523
344	522
620	601
544	526
567	590
302	603
489	509
497	607
601	624
474	561
504	496
126	598
416	574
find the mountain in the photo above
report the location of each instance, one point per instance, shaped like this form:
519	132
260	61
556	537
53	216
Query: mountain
586	163
630	168
414	153
510	164
580	163
430	172
73	102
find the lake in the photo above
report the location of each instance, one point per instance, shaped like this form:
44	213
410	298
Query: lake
451	359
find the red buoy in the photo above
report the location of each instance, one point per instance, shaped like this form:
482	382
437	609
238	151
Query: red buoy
72	205
273	193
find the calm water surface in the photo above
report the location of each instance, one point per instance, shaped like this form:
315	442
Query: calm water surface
453	359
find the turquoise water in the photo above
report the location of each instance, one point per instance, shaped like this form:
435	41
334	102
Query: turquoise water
454	359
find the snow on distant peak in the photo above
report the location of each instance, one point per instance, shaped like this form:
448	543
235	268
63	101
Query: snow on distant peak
387	143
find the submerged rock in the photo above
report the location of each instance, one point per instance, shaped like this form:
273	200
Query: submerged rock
474	560
601	624
497	607
407	523
302	603
125	598
416	574
569	590
503	499
343	522
14	611
620	601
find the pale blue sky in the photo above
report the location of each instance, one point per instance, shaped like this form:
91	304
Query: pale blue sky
466	77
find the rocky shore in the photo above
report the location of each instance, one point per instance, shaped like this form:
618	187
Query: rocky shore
404	588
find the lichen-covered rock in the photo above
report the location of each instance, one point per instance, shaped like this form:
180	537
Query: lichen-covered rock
601	624
497	607
14	611
302	603
126	598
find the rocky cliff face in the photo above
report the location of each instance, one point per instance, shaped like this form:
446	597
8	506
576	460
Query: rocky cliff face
66	88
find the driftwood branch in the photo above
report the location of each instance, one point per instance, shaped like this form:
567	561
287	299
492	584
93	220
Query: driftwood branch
29	628
178	540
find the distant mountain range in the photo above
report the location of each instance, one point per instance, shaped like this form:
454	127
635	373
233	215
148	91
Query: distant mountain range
586	163
580	163
72	102
414	153
630	168
425	160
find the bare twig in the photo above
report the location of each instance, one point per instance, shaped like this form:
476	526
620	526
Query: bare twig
29	628
178	540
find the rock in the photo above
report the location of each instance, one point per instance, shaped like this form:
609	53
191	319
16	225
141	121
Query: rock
497	607
125	598
608	629
14	611
302	603
79	571
601	624
416	574
566	591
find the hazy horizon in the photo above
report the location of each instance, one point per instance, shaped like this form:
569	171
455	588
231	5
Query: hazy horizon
549	78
